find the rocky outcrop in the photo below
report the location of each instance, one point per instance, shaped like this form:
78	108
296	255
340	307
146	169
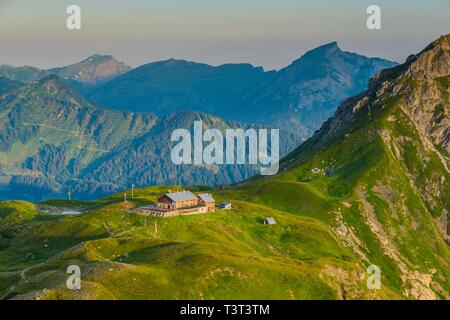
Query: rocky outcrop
421	87
93	70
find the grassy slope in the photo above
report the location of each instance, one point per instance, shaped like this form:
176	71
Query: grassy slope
363	171
231	254
228	254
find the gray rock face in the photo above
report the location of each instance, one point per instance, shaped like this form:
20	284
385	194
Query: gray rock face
92	71
422	87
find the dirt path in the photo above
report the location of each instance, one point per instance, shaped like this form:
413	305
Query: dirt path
23	278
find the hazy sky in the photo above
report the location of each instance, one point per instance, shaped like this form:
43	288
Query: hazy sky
269	33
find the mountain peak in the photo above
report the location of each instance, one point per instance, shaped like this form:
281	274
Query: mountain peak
328	46
176	62
433	61
322	51
93	70
54	86
97	58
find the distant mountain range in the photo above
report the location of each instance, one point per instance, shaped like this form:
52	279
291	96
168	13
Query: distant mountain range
98	126
24	74
92	71
299	97
306	93
176	85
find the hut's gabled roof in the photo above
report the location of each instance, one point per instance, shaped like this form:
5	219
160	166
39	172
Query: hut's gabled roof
206	198
181	196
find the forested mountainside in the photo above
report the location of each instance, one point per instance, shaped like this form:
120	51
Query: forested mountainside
52	140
